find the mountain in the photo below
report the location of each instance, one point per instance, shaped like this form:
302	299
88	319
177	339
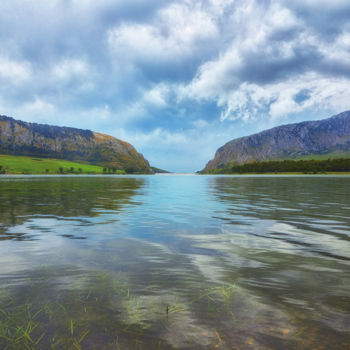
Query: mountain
22	138
311	138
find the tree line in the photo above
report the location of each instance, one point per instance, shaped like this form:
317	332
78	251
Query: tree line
290	166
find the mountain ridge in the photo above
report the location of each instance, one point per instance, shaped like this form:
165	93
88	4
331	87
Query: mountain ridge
288	141
32	139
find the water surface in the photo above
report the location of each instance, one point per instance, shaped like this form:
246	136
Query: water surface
175	262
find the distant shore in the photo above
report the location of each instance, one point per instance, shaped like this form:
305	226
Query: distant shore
282	173
286	166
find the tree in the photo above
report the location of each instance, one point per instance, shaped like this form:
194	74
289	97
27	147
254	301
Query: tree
306	166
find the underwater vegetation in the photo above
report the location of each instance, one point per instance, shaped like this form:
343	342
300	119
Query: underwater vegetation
102	312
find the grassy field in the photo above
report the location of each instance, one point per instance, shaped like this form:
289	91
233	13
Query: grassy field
34	165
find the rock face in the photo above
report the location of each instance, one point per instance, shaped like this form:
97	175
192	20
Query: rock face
22	138
287	141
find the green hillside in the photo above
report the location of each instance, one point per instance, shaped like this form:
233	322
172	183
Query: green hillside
10	164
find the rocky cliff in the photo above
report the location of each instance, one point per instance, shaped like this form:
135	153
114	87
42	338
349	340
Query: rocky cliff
22	138
320	137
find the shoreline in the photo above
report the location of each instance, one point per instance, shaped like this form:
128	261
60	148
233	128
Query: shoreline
176	174
283	173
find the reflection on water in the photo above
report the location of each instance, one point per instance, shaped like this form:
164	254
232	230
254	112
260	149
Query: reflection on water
175	262
39	202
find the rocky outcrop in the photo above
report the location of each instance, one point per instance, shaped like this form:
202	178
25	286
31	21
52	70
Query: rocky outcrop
287	142
22	138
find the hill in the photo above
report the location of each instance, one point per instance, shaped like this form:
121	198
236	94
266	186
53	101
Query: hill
322	139
82	146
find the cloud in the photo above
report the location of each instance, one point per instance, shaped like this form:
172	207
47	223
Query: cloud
280	99
157	95
38	106
168	46
273	58
70	68
14	72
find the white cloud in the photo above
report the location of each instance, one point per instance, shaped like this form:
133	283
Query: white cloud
148	101
186	24
36	110
161	138
238	86
281	18
344	41
70	68
280	98
253	27
38	106
172	36
213	78
14	72
157	96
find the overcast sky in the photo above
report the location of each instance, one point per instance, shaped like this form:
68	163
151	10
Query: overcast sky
177	79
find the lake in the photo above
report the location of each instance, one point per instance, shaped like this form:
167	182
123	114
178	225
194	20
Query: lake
175	262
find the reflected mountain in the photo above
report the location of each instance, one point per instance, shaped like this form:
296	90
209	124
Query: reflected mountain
287	204
275	198
63	198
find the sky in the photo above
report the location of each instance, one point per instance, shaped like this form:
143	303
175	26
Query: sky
175	78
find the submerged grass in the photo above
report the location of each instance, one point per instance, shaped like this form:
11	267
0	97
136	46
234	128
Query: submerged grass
19	327
105	313
75	319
